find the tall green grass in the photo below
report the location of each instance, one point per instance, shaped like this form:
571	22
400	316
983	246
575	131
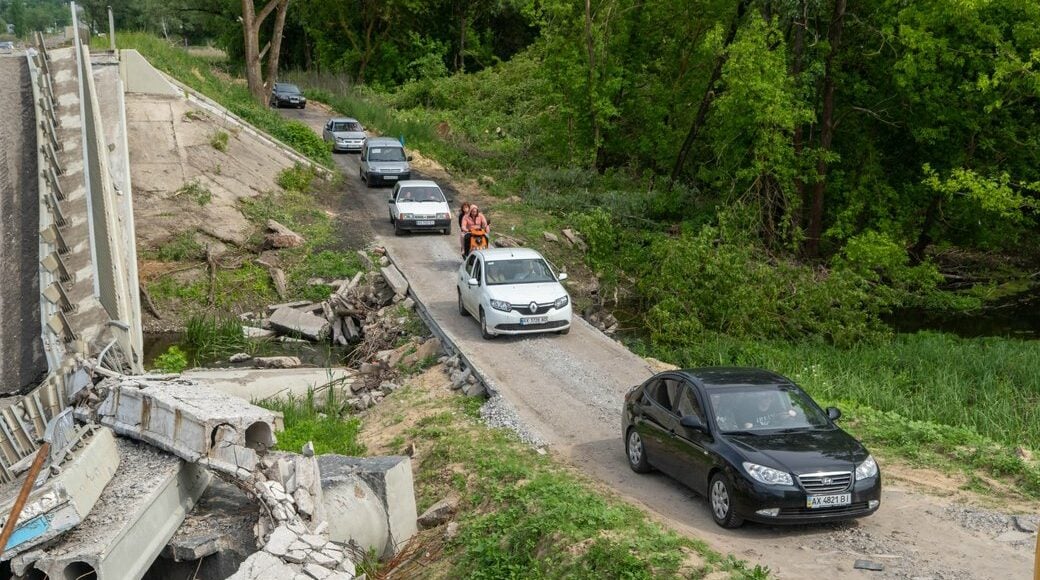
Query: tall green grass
317	420
198	73
208	338
989	385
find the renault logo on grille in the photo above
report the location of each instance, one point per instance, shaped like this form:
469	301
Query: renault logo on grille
533	307
827	481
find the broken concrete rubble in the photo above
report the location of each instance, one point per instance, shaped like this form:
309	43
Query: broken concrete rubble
305	324
280	237
190	421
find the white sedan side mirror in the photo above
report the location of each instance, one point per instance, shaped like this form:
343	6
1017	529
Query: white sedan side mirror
473	282
562	276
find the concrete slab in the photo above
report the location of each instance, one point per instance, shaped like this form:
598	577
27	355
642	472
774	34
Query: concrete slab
260	384
63	502
305	324
346	484
135	518
221	522
141	77
191	421
395	279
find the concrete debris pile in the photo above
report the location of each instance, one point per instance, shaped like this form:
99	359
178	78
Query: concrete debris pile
462	377
602	319
107	507
355	312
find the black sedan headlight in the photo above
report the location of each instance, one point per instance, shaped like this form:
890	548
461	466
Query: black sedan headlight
767	475
867	469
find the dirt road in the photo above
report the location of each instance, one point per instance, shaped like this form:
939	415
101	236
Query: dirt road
568	389
22	360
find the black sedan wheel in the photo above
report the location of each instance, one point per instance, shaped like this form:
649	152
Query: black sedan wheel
636	452
720	496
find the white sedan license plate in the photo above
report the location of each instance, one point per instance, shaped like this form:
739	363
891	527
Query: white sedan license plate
826	501
534	320
424	222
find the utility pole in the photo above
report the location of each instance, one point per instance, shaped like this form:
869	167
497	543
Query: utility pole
111	30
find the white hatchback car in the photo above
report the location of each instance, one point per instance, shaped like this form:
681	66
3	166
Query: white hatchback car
419	205
513	291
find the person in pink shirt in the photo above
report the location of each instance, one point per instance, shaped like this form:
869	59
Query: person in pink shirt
471	221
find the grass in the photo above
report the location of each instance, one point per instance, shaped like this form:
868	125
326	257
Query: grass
195	191
174	360
219	141
523	515
200	74
184	246
307	419
211	337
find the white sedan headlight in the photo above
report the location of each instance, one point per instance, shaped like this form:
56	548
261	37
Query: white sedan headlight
867	469
501	305
561	302
767	475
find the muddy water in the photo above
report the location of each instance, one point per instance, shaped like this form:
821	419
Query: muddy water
1015	317
316	355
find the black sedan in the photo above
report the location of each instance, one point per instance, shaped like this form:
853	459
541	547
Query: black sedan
751	441
287	95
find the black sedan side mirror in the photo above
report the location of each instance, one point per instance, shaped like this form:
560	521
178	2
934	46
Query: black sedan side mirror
693	422
833	413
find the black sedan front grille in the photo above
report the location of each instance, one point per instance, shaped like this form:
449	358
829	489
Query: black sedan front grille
816	483
543	326
830	511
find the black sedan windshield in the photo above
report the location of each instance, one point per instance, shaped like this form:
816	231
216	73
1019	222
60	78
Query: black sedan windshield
289	89
765	408
529	271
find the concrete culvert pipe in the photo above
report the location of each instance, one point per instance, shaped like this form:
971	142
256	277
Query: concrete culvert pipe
259	436
79	571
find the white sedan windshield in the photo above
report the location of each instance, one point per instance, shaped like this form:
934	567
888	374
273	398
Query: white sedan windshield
527	271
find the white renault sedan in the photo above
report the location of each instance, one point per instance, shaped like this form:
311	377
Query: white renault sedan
419	205
513	291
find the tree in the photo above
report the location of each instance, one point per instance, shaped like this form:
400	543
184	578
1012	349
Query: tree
252	21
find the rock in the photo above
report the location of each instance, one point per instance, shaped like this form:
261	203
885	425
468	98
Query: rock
307	451
379	251
574	239
280	540
253	332
296	556
317	572
428	349
276	362
1015	536
476	390
304	502
281	237
868	565
369	369
450	531
239	357
550	237
408	303
316	542
384	261
1026	523
322	560
439	513
262	566
387	387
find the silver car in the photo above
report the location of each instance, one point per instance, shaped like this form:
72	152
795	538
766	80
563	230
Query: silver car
345	134
383	161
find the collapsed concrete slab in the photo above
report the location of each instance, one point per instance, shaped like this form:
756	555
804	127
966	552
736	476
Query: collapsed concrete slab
305	324
261	384
134	519
64	500
191	421
220	526
370	500
395	279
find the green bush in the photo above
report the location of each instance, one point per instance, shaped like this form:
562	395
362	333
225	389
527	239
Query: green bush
219	141
174	360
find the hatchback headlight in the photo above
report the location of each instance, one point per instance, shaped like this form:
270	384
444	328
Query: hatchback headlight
767	475
561	302
501	305
444	216
408	216
867	469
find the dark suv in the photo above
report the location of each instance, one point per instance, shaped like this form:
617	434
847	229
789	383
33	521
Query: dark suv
287	95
